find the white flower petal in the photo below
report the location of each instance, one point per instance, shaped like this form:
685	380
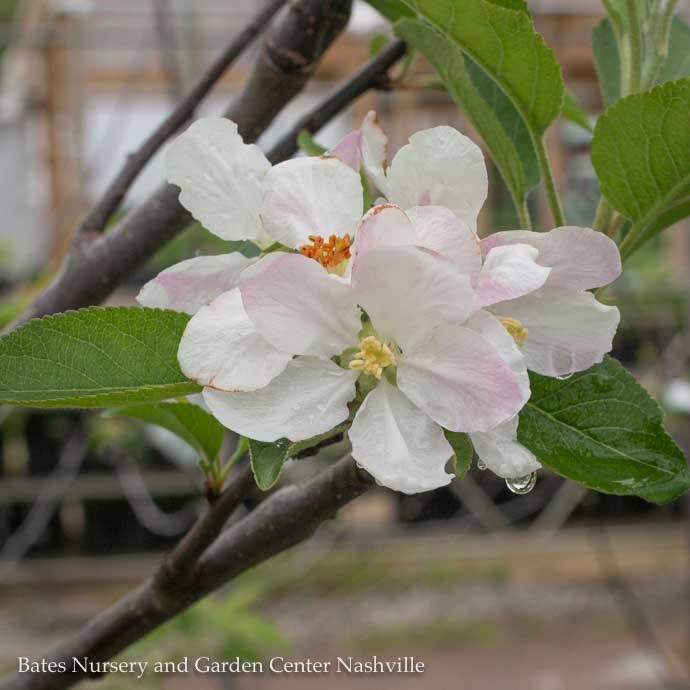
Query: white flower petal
374	150
309	398
220	177
311	196
407	292
430	227
500	451
348	150
443	167
398	444
298	307
439	229
581	258
509	272
189	285
490	328
460	380
566	334
383	225
221	348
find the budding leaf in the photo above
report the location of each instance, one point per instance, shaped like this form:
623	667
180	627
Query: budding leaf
463	449
267	461
601	428
187	421
268	458
95	357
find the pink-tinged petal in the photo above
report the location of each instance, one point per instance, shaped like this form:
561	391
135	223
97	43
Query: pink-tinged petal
221	348
500	451
398	444
191	284
491	329
298	307
509	272
439	166
407	292
566	333
383	225
430	227
460	380
348	149
374	151
220	178
309	398
580	258
439	229
311	196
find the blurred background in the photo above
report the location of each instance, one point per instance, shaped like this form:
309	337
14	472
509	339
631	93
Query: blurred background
558	589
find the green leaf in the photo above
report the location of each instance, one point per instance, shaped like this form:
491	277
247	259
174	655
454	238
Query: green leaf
601	428
607	61
504	43
397	9
94	357
490	110
306	142
463	449
391	9
377	43
677	62
267	461
268	458
641	153
190	422
574	112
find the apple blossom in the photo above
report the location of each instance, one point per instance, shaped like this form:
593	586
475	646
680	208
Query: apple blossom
312	204
533	285
292	349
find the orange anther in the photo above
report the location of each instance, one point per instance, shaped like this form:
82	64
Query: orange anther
329	254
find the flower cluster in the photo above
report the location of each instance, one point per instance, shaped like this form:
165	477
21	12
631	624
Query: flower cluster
398	319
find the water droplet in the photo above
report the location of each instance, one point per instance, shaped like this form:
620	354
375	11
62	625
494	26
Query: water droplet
480	465
564	378
522	485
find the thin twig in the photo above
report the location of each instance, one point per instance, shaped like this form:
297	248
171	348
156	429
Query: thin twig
177	567
48	501
116	191
168	46
369	76
97	263
288	517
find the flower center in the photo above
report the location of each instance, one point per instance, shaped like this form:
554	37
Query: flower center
515	328
373	357
330	254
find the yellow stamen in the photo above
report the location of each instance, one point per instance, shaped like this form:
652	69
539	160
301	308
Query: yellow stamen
330	254
373	357
515	328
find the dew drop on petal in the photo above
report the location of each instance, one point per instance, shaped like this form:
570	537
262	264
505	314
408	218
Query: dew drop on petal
480	465
522	485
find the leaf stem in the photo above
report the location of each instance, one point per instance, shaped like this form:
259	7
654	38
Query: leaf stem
549	183
634	73
603	215
240	450
524	217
